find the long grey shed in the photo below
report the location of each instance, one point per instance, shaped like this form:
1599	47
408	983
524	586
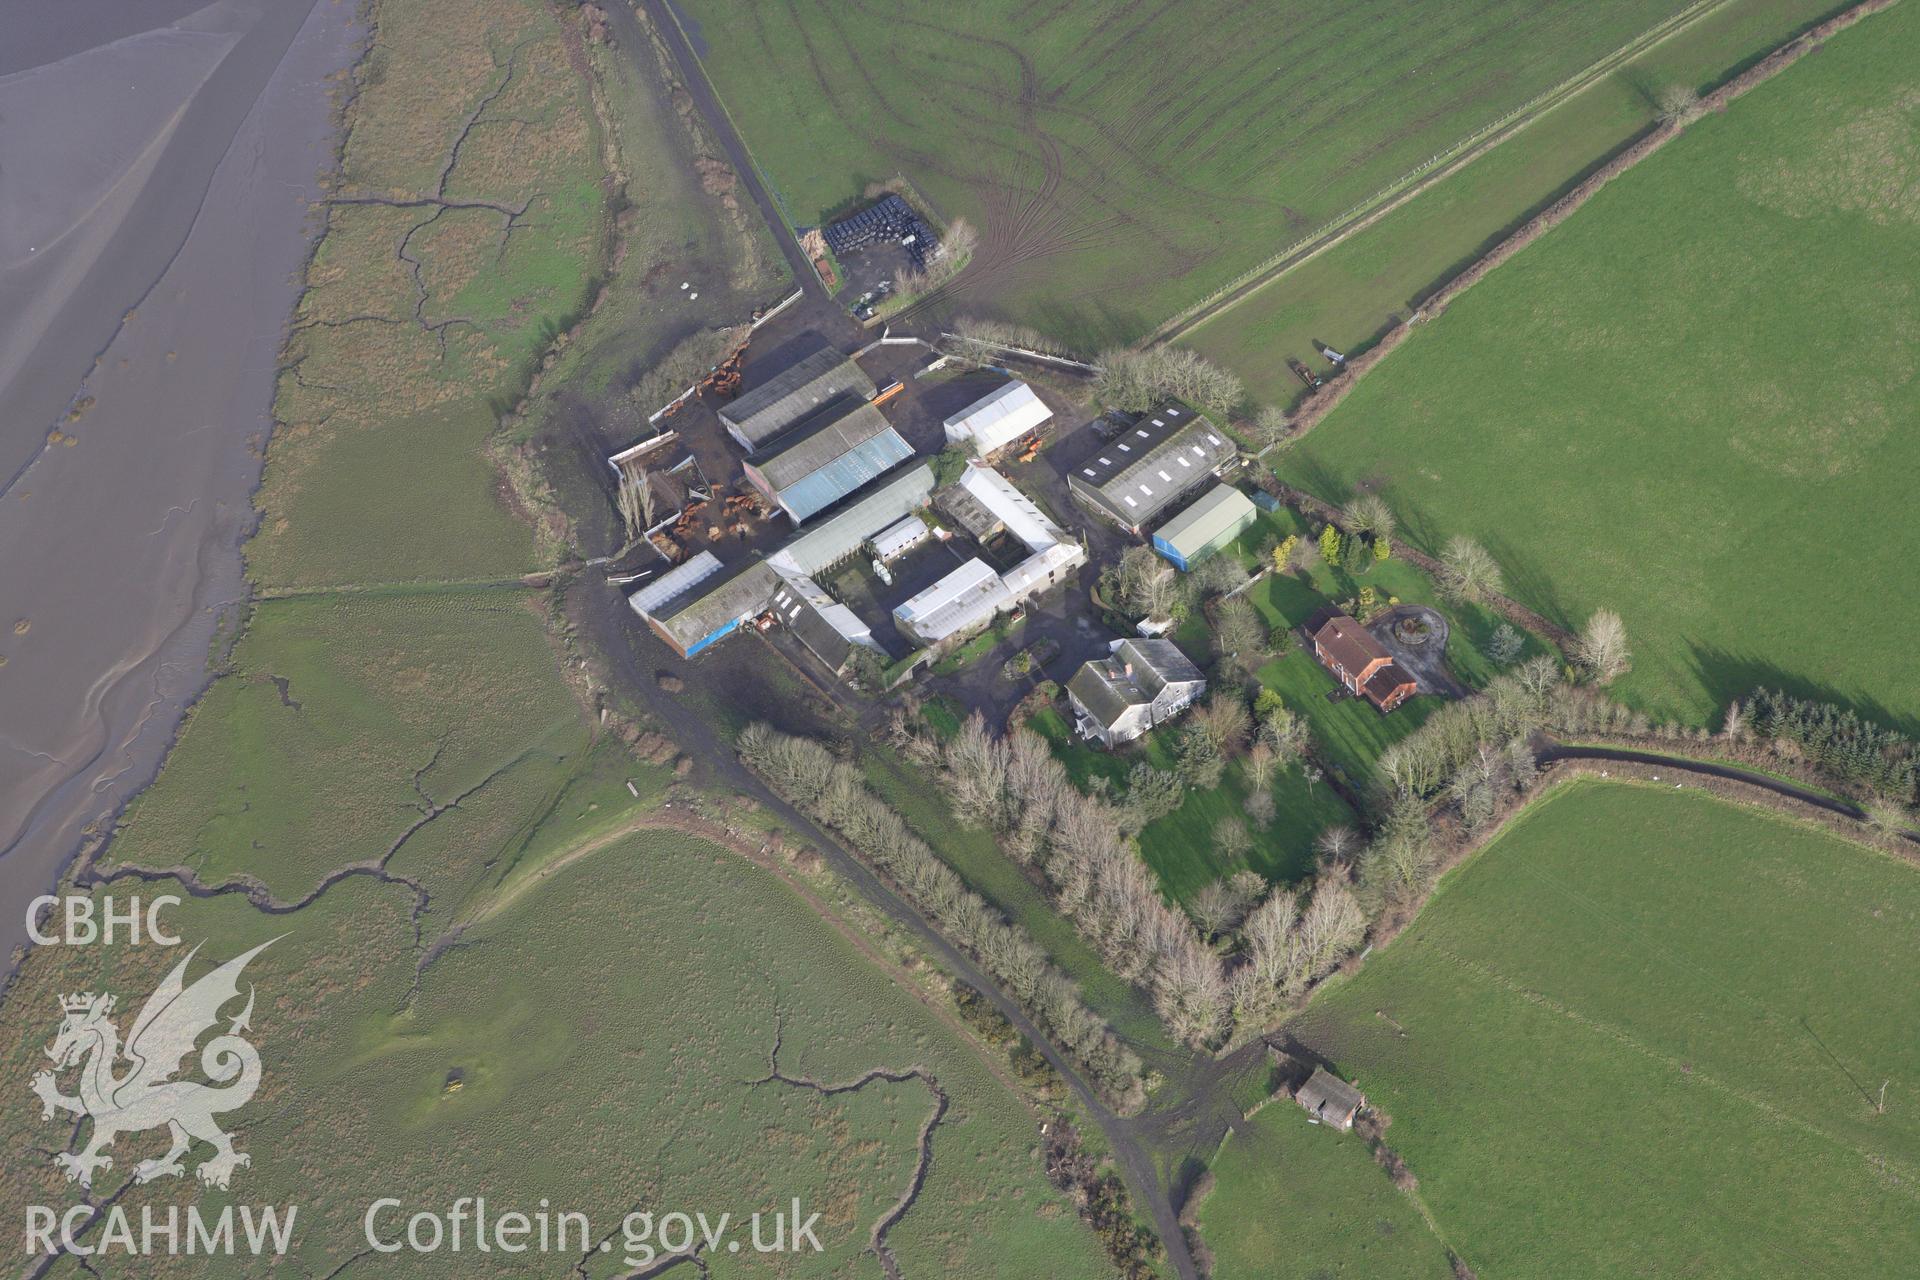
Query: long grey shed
790	395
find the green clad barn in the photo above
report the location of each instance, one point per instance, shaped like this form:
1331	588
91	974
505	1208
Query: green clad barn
1209	523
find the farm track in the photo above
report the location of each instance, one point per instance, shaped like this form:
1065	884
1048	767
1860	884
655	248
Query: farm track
694	78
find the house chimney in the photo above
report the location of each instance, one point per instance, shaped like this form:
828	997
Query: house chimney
1129	671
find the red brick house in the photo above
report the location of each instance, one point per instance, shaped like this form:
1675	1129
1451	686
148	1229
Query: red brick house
1361	663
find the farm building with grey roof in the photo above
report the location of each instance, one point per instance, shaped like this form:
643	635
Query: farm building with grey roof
1151	465
790	395
709	608
1329	1099
833	453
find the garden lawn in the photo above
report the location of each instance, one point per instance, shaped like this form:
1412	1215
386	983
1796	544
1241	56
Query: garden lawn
1349	735
1119	171
1692	402
1300	1201
1181	847
1644	1033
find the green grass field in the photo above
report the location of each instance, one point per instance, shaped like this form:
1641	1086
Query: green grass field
1350	293
1298	1201
1686	402
1643	1033
1120	170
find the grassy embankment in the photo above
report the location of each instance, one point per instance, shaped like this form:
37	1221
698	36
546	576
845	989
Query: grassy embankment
1631	970
383	709
1685	403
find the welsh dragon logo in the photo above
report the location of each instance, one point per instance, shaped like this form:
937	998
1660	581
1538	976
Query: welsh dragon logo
145	1096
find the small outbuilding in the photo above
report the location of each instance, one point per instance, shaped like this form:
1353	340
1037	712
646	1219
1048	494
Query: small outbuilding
998	419
1329	1100
896	540
1208	523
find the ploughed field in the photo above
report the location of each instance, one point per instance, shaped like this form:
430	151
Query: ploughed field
1693	401
1123	164
1644	1033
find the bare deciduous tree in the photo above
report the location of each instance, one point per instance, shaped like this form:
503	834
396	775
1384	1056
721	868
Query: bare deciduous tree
1268	427
1337	846
1231	837
637	501
1601	648
1368	513
1138	380
1212	909
1467	571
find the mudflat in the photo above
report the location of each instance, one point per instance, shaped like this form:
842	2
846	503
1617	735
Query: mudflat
162	176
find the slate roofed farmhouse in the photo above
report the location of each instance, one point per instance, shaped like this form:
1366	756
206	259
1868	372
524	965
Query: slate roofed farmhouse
833	453
790	395
1360	662
1142	684
1150	466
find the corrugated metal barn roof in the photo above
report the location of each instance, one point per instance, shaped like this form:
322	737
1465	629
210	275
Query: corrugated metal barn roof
767	410
1219	513
826	459
841	534
967	597
674	583
998	418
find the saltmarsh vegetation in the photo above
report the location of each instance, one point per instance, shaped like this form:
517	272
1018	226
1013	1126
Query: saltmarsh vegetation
480	870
